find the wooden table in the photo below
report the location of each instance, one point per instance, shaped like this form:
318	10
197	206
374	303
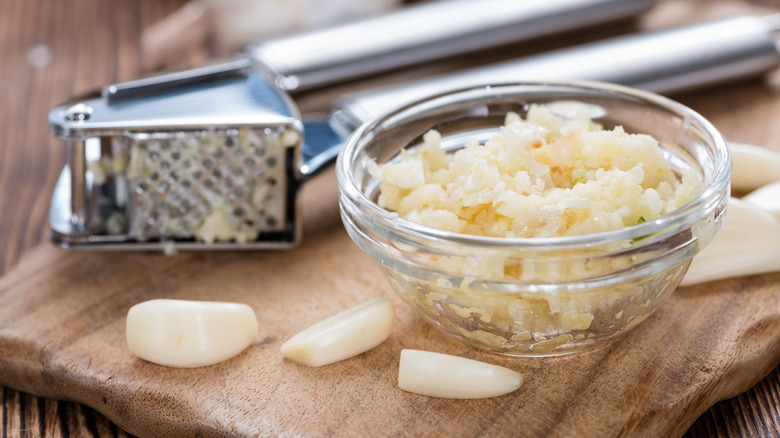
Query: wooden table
52	50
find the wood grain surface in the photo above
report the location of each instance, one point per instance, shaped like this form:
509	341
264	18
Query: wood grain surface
92	43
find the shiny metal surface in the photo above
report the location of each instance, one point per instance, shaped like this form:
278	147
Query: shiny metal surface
151	161
425	33
664	62
78	204
229	102
237	68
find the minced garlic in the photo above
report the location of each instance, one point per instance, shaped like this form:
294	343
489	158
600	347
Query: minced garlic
541	176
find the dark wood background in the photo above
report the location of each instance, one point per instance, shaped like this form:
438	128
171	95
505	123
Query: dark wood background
94	42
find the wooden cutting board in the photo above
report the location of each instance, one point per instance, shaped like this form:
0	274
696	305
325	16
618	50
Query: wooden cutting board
62	336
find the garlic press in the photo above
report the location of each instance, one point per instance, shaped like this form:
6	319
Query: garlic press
213	158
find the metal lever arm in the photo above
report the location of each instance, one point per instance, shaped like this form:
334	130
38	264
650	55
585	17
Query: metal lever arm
425	33
664	61
167	82
412	35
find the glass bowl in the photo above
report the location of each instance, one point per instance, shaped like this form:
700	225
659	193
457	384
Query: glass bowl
534	296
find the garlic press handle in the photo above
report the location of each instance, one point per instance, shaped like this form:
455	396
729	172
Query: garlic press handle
424	33
664	61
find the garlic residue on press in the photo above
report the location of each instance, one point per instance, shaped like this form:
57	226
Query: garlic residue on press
446	376
342	336
215	186
186	334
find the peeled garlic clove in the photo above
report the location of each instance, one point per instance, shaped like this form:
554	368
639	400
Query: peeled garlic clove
753	167
446	376
187	334
747	244
342	336
766	198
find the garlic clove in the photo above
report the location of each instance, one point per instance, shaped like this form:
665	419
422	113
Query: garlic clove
342	336
753	167
187	334
446	376
766	198
747	244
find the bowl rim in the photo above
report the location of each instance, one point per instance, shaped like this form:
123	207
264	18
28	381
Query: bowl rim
659	228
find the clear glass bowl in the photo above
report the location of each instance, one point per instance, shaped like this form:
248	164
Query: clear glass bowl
534	296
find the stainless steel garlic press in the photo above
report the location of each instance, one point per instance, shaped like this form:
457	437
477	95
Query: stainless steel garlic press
213	158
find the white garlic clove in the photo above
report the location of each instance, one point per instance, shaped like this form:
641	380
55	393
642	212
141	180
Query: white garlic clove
342	336
747	244
766	198
188	334
446	376
753	167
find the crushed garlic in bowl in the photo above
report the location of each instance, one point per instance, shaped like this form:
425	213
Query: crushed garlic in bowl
547	235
